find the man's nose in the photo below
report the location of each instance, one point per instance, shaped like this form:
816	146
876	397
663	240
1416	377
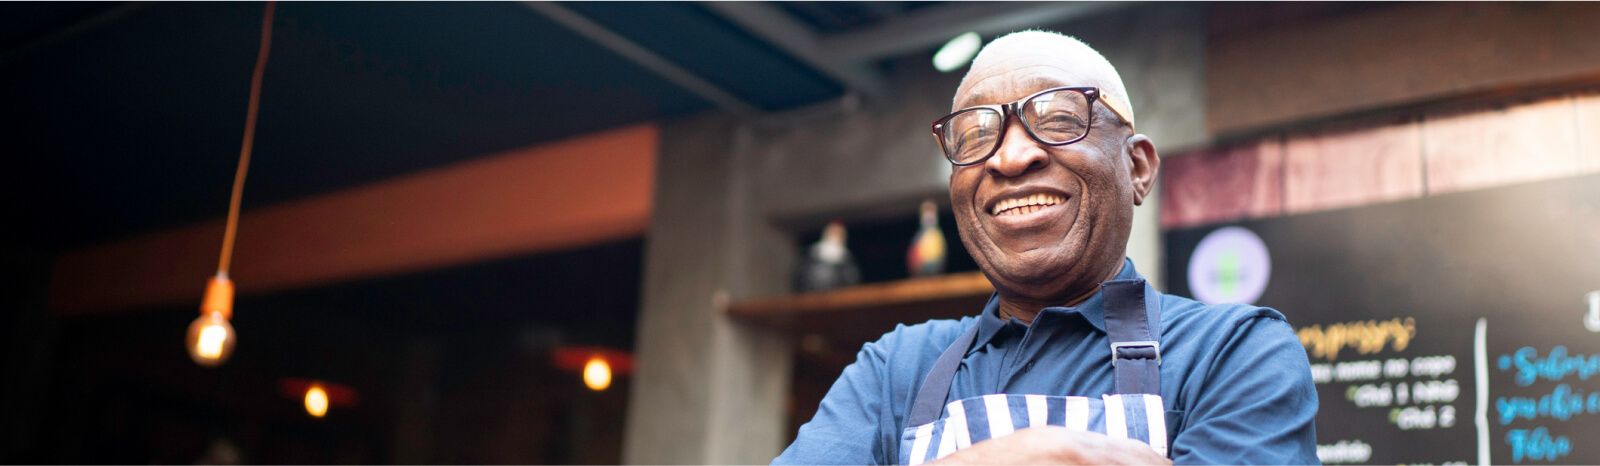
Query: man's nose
1018	153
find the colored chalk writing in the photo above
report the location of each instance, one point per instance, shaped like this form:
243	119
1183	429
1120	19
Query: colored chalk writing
1537	444
1553	367
1366	337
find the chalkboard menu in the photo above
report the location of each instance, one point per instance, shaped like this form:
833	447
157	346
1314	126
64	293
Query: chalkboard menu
1449	329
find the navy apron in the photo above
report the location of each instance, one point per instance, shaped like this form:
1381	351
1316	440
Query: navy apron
1133	324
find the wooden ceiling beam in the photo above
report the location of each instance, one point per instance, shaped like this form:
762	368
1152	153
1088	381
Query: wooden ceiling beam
580	191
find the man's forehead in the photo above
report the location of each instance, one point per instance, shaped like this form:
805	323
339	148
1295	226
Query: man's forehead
1023	75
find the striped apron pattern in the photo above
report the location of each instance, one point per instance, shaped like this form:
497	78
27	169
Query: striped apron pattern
1132	325
972	420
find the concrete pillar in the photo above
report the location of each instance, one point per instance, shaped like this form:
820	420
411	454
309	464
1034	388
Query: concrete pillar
706	390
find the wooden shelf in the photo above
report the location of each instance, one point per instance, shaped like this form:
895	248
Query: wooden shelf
914	290
862	312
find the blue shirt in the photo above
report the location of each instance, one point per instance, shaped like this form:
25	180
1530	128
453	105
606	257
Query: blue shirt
1234	378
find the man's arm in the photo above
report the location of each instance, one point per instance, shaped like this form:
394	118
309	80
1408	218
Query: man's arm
1055	445
846	428
1254	403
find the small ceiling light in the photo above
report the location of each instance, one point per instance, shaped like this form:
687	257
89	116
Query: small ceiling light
211	337
597	374
318	396
958	52
596	364
316	401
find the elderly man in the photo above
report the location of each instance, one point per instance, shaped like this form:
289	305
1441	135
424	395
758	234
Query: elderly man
1075	359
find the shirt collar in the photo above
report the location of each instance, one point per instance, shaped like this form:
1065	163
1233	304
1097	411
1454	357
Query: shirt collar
1093	309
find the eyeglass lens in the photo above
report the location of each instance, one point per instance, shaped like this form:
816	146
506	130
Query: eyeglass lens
1054	118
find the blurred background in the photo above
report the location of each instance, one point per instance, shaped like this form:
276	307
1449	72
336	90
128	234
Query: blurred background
530	232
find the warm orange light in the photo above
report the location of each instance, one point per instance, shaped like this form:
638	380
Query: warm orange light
210	340
316	401
219	296
597	374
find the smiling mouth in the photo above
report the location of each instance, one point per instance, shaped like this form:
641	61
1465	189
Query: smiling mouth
1026	205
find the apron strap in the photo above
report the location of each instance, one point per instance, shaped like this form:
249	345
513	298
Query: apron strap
936	386
1133	324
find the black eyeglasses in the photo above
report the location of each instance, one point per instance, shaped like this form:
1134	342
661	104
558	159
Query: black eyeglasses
1054	117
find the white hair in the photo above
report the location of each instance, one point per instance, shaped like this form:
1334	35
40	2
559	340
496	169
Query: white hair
1080	53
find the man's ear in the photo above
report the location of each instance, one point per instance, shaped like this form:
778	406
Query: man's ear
1142	167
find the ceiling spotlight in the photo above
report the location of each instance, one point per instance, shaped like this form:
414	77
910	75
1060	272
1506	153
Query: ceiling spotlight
958	52
316	401
318	396
598	365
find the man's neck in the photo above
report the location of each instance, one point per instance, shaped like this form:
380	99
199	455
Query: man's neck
1025	310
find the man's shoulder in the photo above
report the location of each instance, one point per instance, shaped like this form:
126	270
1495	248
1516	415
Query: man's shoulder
1196	326
1180	310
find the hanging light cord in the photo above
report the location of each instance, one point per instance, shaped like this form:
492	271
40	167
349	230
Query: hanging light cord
249	140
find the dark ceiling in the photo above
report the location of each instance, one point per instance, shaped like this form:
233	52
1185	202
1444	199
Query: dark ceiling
133	122
126	118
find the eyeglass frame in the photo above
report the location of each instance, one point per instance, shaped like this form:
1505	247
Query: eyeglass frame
1006	110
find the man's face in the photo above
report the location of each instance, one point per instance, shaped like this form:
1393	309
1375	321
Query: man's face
1079	236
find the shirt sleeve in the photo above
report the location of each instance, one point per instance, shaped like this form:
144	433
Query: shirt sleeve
847	428
1256	404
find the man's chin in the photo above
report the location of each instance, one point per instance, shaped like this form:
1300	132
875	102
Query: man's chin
1038	272
1029	275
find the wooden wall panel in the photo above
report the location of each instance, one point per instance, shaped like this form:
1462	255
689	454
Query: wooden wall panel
1386	57
1439	153
1502	146
1222	184
1589	133
1326	171
584	190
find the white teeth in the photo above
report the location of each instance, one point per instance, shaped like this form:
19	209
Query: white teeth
1027	204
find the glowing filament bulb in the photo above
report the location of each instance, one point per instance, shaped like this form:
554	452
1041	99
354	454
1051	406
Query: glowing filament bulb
211	339
597	374
316	401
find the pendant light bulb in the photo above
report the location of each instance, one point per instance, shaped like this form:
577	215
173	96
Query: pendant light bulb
211	338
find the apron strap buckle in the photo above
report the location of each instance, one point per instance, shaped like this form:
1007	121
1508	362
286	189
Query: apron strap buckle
1144	349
